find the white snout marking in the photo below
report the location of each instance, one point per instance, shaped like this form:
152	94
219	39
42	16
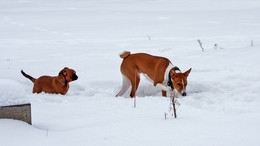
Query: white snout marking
183	87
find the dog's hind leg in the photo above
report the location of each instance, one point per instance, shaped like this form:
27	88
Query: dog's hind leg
126	84
134	82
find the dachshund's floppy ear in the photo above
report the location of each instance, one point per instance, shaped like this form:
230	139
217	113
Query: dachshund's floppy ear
63	72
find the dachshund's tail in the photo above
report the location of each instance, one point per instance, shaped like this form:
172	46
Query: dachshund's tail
28	76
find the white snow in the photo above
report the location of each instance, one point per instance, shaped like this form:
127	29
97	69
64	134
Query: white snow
12	93
42	37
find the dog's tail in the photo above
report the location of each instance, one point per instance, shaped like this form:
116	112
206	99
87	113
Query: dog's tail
125	54
28	76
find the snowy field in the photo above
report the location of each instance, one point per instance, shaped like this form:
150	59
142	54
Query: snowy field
43	36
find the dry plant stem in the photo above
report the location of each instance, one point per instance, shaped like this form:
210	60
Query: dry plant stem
201	45
173	103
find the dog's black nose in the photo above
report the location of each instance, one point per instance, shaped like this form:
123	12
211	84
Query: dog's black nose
74	77
184	94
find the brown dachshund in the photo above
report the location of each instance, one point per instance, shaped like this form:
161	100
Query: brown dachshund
54	85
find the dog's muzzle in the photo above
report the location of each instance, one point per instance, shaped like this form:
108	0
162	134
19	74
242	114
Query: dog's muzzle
184	94
74	77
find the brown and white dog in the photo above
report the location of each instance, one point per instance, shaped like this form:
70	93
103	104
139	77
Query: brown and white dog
56	84
157	69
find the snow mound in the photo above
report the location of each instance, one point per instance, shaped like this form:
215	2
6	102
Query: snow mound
12	93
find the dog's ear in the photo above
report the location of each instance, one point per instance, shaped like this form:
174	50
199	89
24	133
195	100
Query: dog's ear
63	72
173	74
186	73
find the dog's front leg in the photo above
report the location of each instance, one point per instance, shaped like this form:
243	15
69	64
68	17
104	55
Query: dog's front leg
164	93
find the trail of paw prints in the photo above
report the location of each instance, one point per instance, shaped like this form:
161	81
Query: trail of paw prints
9	20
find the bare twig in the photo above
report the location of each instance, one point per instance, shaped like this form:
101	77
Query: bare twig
215	46
173	103
201	45
149	37
47	132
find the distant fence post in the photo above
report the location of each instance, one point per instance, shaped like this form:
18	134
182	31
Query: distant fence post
18	112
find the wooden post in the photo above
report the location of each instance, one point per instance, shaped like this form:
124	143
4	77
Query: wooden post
18	112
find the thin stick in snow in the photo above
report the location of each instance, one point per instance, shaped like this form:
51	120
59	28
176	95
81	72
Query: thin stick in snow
47	132
173	103
149	37
201	45
215	46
